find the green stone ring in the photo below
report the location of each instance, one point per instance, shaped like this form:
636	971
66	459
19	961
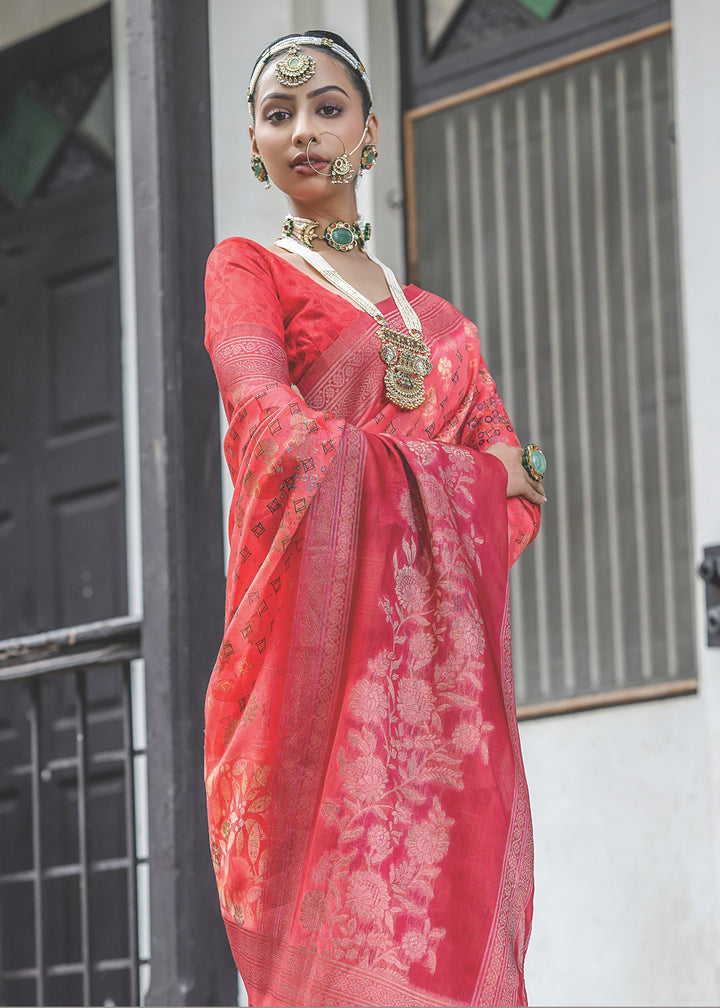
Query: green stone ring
534	462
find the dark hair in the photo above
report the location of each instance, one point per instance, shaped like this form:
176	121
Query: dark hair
357	80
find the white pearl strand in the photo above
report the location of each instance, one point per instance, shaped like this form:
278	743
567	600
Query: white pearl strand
407	357
409	317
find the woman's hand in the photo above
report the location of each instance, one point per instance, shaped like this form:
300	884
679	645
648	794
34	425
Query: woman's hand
519	483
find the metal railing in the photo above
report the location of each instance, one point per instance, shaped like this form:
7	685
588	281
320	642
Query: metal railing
68	861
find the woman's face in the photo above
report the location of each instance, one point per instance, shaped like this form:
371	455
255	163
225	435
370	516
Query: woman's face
327	108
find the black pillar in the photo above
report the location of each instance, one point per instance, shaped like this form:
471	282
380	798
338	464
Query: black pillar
180	486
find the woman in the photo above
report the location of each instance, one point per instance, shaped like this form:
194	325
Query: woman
369	818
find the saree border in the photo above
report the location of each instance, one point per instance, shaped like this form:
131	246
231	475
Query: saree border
291	963
500	981
320	623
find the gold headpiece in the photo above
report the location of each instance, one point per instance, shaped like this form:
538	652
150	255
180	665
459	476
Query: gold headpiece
295	68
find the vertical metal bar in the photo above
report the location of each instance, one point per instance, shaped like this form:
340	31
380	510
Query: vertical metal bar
453	210
476	226
634	390
582	383
82	819
560	486
662	468
477	238
682	562
502	256
599	168
527	258
141	815
507	388
36	798
129	783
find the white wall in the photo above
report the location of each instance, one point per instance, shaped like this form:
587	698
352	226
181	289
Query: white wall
623	904
696	40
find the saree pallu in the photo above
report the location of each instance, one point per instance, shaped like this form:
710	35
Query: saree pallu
369	817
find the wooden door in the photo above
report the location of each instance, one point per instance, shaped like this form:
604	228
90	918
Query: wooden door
62	535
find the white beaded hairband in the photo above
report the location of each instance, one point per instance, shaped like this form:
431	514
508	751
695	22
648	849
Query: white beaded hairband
306	65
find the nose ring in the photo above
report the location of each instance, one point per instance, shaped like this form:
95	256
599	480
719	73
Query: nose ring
341	169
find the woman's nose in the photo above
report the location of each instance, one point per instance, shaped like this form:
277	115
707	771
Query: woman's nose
302	134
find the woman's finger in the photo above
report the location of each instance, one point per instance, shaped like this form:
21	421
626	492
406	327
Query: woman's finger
535	492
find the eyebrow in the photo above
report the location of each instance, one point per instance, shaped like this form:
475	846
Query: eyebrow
276	95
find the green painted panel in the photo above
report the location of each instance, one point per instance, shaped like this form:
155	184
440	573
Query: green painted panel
543	9
98	123
29	139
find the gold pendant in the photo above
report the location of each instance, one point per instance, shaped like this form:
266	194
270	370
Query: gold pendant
341	169
407	360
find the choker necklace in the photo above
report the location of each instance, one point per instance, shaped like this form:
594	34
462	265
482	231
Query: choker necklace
340	235
406	355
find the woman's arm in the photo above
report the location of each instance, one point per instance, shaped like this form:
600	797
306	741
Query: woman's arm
488	429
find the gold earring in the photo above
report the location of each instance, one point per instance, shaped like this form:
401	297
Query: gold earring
259	170
368	157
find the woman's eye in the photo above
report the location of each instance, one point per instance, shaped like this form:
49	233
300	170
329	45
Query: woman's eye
277	115
329	110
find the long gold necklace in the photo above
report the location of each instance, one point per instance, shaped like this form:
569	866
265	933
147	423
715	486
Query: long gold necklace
406	355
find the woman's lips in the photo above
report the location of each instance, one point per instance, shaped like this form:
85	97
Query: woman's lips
304	168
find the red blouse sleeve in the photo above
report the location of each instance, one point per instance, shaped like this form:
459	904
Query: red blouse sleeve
488	424
241	297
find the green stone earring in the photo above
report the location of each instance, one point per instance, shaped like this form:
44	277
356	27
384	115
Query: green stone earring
368	157
259	170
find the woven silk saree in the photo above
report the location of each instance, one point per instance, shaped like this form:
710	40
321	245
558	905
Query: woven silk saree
369	818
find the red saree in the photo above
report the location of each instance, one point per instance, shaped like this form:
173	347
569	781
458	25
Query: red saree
369	818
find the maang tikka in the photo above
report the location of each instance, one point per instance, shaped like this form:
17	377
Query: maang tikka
294	69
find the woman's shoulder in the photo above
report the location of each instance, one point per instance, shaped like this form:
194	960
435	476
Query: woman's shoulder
241	263
429	301
240	283
240	250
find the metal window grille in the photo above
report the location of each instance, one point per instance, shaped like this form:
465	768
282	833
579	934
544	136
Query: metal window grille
548	215
68	862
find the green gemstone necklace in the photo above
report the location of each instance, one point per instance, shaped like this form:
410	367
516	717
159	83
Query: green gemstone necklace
406	355
340	235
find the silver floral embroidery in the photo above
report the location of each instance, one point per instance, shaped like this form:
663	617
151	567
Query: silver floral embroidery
415	716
